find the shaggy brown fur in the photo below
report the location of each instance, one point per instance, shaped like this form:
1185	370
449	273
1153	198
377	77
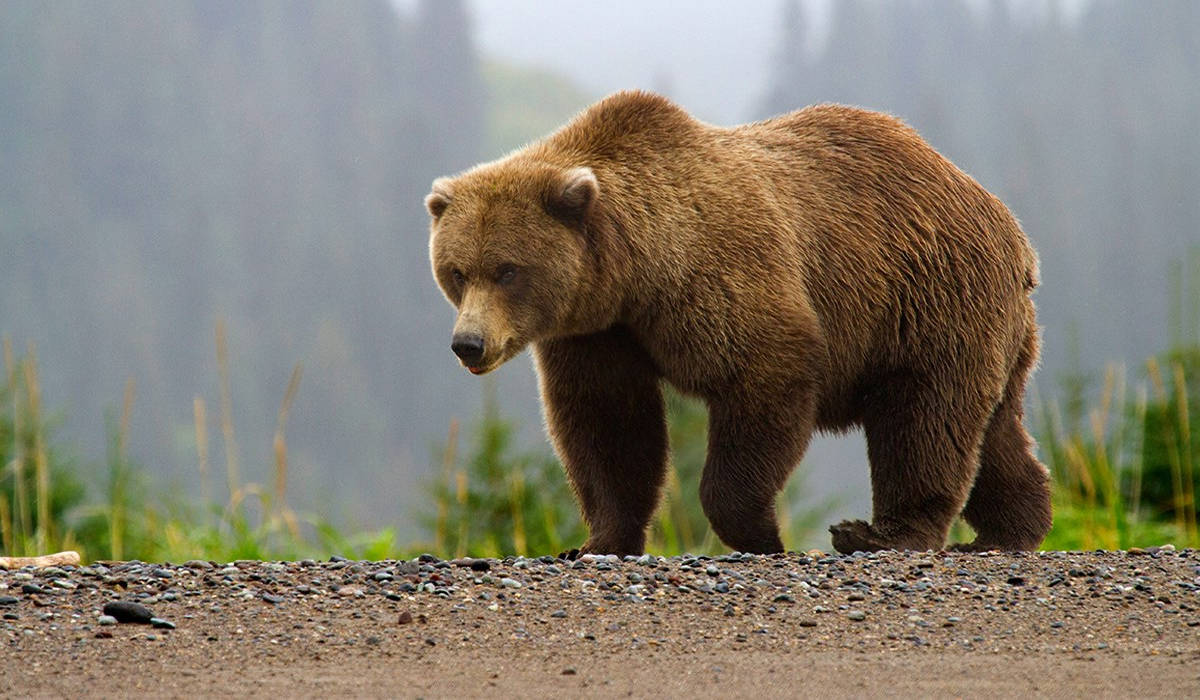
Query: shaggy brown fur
817	271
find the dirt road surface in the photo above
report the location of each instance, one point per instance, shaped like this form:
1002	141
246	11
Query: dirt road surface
924	624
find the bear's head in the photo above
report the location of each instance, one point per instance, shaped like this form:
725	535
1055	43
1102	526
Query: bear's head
508	245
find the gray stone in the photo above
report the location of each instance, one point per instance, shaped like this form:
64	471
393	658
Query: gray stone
126	611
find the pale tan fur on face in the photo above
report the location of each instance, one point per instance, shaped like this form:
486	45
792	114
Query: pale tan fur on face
498	218
483	312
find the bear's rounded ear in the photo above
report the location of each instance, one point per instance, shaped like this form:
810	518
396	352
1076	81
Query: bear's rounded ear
438	199
573	195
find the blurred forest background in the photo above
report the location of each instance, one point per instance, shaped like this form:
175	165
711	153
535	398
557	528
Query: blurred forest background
171	165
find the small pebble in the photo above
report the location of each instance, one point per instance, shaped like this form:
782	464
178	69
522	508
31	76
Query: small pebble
106	620
126	611
857	615
406	618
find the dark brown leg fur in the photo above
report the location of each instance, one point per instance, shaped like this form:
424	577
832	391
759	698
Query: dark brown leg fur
1009	506
605	415
923	453
752	448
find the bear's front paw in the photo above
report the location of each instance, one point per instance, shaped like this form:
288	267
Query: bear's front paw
851	536
570	554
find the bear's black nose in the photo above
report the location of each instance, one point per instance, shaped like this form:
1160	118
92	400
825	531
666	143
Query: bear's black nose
468	347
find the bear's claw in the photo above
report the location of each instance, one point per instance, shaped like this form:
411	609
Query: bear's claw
972	547
851	536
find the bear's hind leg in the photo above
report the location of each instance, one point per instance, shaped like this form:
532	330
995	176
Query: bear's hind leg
1009	505
923	450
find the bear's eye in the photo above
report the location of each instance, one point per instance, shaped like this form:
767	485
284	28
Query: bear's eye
458	277
506	274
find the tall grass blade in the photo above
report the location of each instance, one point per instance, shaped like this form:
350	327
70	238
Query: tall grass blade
280	444
1185	496
1139	460
6	532
200	415
24	517
462	484
443	492
232	475
517	504
41	467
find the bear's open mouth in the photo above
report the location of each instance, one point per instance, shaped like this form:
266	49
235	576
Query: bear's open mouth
482	369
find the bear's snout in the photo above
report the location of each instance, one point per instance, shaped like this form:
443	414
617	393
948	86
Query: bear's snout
468	347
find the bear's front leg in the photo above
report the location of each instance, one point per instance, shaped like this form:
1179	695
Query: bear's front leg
754	443
605	415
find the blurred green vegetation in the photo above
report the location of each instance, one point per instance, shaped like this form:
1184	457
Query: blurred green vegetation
497	500
1122	455
1123	466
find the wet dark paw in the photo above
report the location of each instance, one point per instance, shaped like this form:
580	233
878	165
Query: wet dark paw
570	555
969	547
856	536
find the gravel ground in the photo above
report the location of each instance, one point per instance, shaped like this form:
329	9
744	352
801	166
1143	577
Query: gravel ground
1106	624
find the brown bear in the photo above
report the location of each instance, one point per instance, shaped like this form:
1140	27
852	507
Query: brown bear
817	271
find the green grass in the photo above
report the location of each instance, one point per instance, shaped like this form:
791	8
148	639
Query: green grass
497	500
1098	456
43	506
1122	457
